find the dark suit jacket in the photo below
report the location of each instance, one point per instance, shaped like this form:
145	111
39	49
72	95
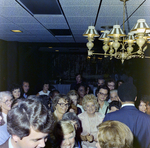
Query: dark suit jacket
5	145
137	121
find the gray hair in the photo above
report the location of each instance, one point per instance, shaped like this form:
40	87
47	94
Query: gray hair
114	90
5	93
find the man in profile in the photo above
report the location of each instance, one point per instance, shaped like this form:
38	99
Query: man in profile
137	121
28	123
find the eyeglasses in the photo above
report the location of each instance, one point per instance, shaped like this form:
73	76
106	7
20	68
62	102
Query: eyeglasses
7	101
63	104
102	94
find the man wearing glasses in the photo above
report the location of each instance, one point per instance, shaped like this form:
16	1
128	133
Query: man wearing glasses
102	96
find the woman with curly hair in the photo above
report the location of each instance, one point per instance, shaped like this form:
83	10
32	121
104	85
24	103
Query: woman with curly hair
114	134
90	119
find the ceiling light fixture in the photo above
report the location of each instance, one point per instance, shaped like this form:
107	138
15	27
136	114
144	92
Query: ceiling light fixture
115	43
16	30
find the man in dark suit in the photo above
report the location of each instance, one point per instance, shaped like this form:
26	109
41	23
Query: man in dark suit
28	123
137	121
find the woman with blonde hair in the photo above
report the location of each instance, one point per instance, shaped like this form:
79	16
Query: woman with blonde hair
90	119
114	134
74	97
65	134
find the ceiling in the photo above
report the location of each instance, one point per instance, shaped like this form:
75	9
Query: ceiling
70	18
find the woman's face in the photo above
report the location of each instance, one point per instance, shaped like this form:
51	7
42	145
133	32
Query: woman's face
74	99
102	94
46	87
62	106
81	91
6	103
68	141
16	93
142	107
90	108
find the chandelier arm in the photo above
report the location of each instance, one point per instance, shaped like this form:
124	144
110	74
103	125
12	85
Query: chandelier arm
102	54
147	57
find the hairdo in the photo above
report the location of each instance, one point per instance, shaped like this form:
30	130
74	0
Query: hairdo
14	86
116	104
110	80
103	87
90	98
52	92
25	81
127	92
71	116
63	128
79	85
4	93
114	134
26	114
56	99
73	93
114	90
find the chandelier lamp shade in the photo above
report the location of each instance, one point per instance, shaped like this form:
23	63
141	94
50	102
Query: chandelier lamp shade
119	45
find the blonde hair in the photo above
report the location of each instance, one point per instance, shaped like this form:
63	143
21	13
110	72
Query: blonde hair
90	98
67	127
73	93
63	128
114	134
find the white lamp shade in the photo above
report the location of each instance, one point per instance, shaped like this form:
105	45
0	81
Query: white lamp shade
91	31
104	35
141	25
116	31
130	38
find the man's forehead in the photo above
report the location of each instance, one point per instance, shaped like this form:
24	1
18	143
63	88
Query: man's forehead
25	83
36	134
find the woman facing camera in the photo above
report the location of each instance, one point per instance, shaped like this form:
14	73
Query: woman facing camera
5	105
114	134
141	104
60	104
65	134
16	91
90	119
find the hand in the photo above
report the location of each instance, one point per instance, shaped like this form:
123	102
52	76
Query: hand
90	138
71	110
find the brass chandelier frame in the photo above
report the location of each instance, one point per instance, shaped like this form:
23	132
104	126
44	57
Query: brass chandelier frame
115	43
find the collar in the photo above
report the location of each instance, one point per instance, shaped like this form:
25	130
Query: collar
9	143
127	105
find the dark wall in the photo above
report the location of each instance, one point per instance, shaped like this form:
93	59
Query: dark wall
24	61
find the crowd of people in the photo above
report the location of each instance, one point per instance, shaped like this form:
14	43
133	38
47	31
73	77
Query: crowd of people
109	116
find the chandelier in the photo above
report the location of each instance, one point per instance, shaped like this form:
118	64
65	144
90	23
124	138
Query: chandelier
117	44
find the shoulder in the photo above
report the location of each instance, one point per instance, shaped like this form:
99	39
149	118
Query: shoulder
82	115
40	92
5	145
99	114
106	103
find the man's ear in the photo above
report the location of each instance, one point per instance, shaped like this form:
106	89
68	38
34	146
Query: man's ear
135	98
15	138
